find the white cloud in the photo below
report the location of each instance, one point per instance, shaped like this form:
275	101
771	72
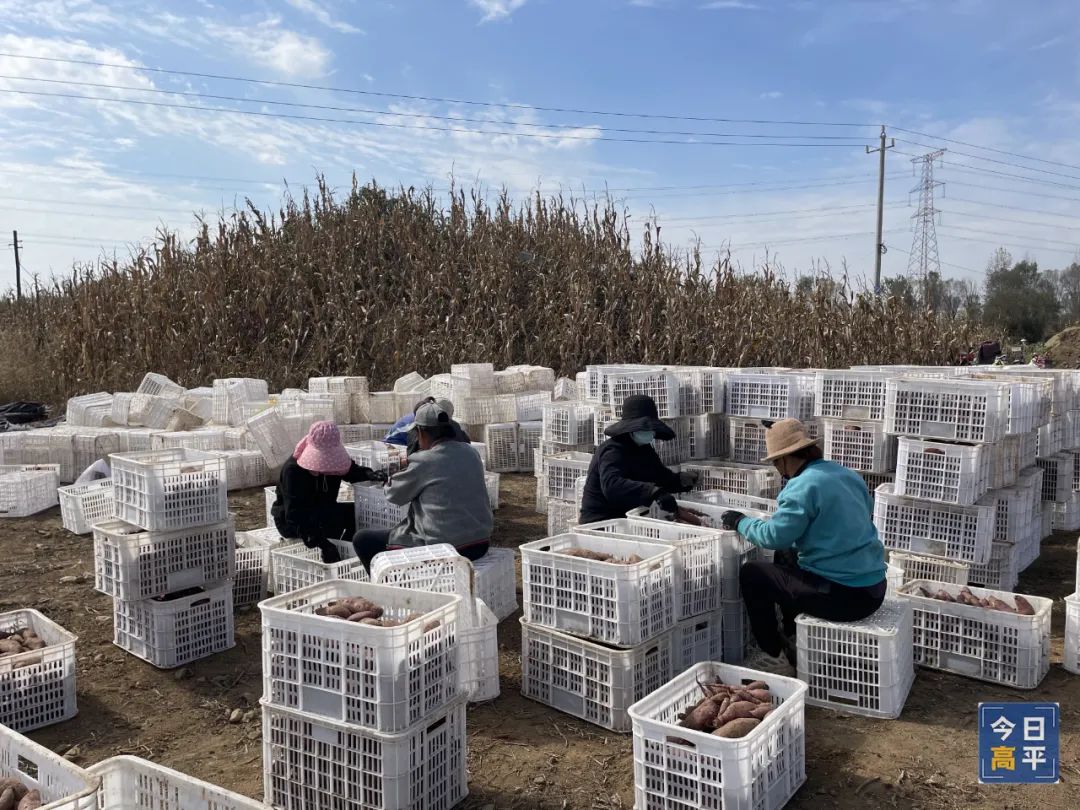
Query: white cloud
56	15
732	5
772	95
497	9
323	16
270	45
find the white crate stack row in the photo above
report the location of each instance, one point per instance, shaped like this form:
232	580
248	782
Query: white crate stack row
169	556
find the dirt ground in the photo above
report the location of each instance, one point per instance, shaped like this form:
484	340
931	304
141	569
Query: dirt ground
521	754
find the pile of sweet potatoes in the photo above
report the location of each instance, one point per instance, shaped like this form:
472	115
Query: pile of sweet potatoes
599	556
966	597
14	795
729	711
19	641
364	611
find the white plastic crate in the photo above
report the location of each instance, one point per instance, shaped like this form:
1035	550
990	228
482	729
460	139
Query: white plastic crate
529	407
502	447
160	385
562	472
850	394
310	762
709	436
509	381
132	783
562	516
63	785
169	489
437	568
721	635
478	651
950	473
744	479
295	566
37	688
252	580
1013	509
678	769
137	440
274	435
919	566
313	408
989	645
957	409
345	385
701	390
244	469
1002	572
495	581
529	437
1050	438
713	504
747	438
491	483
230	394
960	533
382	678
1004	462
27	491
200	401
591	681
89	410
1070	658
706	560
1065	515
130	563
373	510
178	629
150	411
351	434
1057	476
662	386
860	445
770	396
205	439
83	505
862	667
376	455
623	605
472	379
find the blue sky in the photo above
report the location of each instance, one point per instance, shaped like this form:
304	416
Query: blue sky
79	175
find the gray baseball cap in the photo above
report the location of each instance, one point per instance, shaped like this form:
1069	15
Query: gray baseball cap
430	415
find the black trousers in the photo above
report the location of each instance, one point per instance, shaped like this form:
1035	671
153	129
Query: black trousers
768	585
337	521
369	542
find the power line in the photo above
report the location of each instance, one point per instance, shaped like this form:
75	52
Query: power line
1017	208
369	111
94	204
822	238
421	127
383	94
794	213
963	167
1015	191
944	264
1013	221
1001	243
1075	244
80	214
994	160
985	148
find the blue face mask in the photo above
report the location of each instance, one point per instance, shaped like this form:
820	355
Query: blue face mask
643	437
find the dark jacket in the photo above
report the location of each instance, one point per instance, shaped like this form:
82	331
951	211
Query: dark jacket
623	476
305	500
412	444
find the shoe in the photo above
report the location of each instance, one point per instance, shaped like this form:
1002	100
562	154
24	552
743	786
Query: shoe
763	662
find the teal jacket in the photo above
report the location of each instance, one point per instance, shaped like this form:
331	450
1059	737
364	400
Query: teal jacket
824	513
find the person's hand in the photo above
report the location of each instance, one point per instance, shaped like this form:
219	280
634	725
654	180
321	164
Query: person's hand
666	501
688	480
730	519
378	476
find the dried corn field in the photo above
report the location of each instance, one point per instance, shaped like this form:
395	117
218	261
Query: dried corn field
381	283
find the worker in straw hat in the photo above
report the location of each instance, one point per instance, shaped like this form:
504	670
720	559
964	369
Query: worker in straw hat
625	472
823	514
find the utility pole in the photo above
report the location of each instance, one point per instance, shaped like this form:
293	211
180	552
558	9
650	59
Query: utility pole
18	267
879	246
923	259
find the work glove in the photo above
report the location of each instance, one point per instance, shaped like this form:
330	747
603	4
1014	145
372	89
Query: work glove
730	519
688	480
378	476
666	501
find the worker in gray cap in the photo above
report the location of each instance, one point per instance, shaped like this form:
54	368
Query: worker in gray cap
444	489
403	431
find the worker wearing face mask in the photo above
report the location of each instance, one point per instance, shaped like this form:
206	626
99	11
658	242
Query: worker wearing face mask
626	473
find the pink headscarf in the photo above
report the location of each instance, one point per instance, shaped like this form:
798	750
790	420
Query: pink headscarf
322	452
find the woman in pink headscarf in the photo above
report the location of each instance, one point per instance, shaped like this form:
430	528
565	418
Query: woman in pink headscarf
307	507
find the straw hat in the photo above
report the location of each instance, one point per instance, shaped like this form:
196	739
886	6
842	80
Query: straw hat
784	437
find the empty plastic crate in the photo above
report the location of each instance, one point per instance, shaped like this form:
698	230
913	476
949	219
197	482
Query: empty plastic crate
491	483
495	581
83	505
678	769
63	785
176	629
747	437
382	678
1057	483
956	410
709	436
230	394
37	688
27	491
770	396
961	533
744	479
376	455
662	386
562	516
1013	510
274	435
529	407
296	566
862	446
862	667
950	473
721	635
618	604
1001	572
311	762
159	385
478	654
1050	438
209	439
486	410
89	410
989	645
169	489
850	394
130	563
591	681
502	447
1066	513
244	469
373	510
252	579
735	631
1070	658
131	783
919	566
472	379
437	568
562	472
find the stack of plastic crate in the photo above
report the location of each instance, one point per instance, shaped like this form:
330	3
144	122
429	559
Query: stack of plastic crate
349	395
747	438
563	513
710	619
851	405
90	410
358	717
230	395
557	483
567	427
596	635
169	557
26	489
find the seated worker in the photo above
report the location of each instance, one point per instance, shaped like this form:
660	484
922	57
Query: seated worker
444	488
625	471
307	507
823	513
403	431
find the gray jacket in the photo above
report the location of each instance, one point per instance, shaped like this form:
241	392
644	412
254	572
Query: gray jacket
447	497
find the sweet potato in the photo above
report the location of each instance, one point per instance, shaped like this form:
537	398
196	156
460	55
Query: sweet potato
944	596
760	695
1024	607
31	801
35	644
997	604
757	685
740	727
15	785
365	614
702	717
370	621
586	554
737	709
762	711
7	799
10	646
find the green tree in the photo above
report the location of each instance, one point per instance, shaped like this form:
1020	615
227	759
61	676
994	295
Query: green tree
1020	299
